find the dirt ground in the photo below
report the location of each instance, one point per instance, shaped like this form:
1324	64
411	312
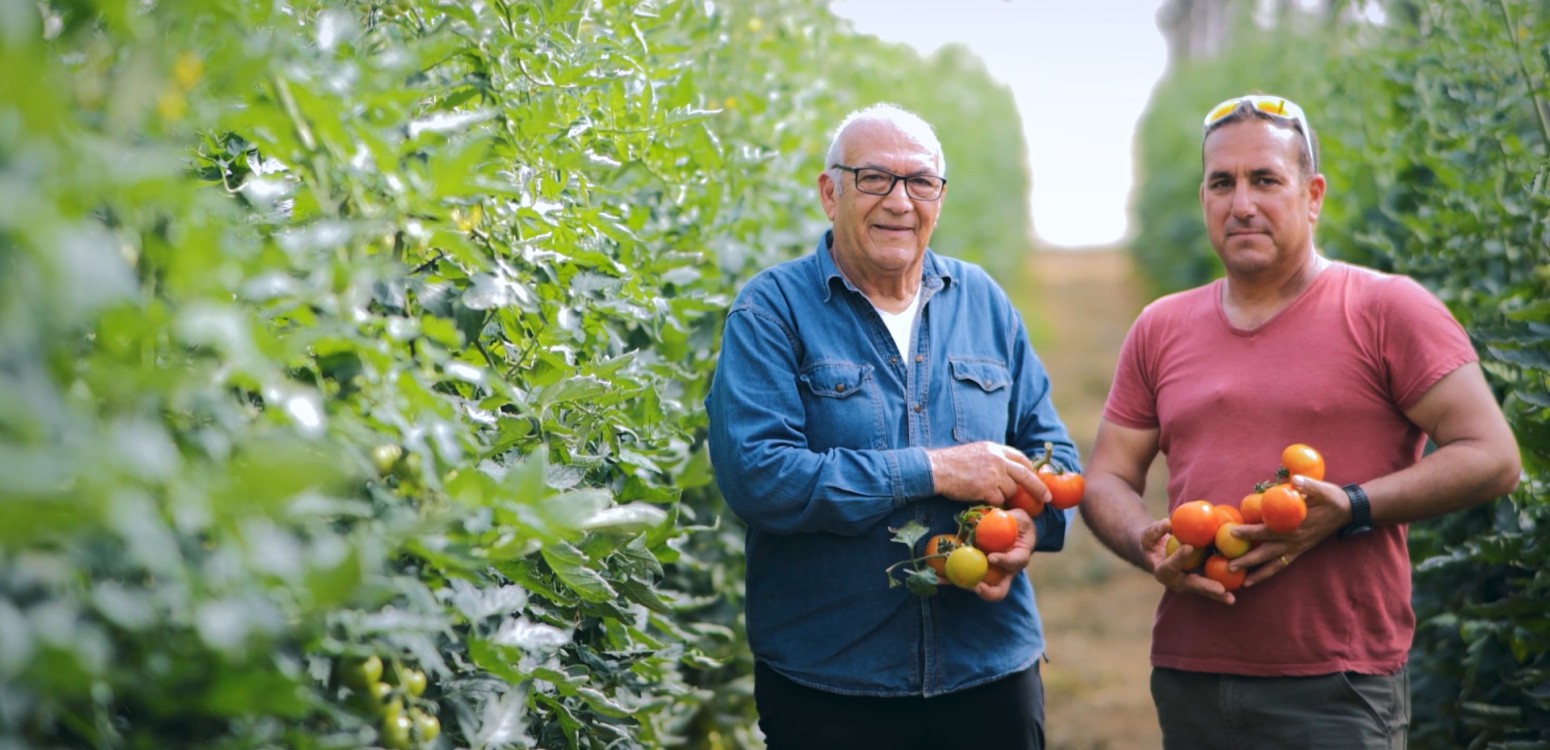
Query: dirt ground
1097	610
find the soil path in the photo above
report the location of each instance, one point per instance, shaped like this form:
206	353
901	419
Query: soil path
1097	610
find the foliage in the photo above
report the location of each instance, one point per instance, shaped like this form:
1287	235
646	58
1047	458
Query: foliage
332	331
1436	141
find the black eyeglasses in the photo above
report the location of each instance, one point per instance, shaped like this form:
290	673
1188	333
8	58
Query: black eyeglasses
874	181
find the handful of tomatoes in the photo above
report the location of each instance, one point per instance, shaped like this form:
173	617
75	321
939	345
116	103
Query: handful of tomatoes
959	557
1207	527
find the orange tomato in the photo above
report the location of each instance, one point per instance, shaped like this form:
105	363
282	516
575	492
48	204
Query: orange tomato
1228	545
1283	508
1250	508
1227	513
941	544
994	531
1216	570
1299	459
1194	523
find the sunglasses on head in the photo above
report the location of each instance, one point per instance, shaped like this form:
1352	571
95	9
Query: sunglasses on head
1279	108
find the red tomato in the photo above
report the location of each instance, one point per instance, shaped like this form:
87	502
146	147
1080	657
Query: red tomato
995	530
1023	501
1066	488
1216	570
1194	523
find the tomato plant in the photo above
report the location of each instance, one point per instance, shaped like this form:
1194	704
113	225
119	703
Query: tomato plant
1194	523
1284	508
1301	460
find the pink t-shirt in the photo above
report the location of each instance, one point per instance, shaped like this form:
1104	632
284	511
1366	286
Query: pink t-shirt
1334	370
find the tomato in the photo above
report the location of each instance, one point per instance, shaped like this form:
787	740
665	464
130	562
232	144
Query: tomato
428	726
414	681
995	530
1299	459
1066	488
1192	561
396	731
994	575
1228	545
1194	523
1227	513
1022	500
1283	508
941	544
1216	570
966	567
385	456
1250	508
361	673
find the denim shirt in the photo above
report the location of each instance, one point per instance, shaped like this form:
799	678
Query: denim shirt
818	436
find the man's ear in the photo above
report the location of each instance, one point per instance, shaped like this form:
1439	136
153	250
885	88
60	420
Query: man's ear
826	193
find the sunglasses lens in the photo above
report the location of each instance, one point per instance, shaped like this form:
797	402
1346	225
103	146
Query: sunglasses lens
1273	106
1222	110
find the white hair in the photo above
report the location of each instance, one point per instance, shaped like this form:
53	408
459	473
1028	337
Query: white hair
908	122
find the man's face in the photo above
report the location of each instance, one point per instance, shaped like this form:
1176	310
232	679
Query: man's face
879	235
1259	209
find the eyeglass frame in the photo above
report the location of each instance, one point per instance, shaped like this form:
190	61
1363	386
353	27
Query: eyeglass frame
1290	112
894	181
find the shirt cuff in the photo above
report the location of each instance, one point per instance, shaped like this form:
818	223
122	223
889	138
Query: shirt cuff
911	476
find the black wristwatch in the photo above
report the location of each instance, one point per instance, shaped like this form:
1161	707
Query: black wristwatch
1361	512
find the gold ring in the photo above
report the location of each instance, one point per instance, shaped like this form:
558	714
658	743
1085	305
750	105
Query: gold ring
1285	562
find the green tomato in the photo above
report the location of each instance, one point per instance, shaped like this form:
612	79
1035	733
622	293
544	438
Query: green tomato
397	732
414	681
385	456
966	567
362	673
427	725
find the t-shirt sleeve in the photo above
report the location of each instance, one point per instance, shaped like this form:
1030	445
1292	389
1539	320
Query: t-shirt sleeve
1421	340
1132	399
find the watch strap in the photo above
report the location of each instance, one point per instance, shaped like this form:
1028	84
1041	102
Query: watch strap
1361	512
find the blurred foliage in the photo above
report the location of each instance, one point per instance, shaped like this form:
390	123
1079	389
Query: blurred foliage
352	354
1435	135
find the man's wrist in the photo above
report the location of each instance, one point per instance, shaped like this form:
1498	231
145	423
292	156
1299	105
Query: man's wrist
1361	512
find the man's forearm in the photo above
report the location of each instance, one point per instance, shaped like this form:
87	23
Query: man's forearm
1115	514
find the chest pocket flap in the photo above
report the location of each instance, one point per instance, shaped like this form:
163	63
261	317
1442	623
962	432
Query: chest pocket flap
989	376
834	379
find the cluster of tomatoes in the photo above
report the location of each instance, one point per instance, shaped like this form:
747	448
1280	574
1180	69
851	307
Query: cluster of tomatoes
385	695
1208	527
960	557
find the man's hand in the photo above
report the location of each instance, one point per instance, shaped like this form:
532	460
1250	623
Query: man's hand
1010	561
1169	569
983	472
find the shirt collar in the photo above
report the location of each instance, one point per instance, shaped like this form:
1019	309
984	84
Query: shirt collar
933	273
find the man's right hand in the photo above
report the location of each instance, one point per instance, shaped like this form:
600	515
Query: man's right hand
984	472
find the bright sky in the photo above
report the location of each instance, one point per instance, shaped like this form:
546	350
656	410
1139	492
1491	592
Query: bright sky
1065	61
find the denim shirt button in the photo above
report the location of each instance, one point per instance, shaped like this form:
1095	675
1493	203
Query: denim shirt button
919	407
920	358
839	387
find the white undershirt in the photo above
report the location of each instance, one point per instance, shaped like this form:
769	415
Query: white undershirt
902	323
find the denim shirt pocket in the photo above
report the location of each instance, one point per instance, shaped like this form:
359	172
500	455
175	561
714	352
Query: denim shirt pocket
982	398
843	410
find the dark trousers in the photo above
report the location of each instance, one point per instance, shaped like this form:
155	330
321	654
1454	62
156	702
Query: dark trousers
1208	711
1007	713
